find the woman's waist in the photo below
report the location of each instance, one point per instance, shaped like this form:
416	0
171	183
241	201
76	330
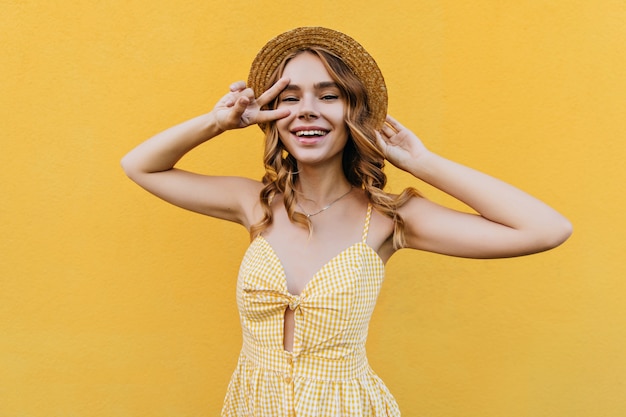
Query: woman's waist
330	363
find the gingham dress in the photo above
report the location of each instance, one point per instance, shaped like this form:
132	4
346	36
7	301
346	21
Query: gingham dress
327	373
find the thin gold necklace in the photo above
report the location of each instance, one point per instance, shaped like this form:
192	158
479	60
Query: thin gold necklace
309	215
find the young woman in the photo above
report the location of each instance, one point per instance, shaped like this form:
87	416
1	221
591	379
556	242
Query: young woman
321	224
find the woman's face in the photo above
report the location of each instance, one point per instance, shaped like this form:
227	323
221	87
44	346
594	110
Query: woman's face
315	132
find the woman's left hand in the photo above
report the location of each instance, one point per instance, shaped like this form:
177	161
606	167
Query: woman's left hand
400	146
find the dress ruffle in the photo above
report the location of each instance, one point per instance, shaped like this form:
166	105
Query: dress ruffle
257	392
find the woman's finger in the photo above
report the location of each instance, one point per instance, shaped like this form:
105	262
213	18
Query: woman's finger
388	131
271	115
237	86
381	141
396	125
238	108
273	91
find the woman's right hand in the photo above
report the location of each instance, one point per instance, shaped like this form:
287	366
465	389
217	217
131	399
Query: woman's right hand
239	108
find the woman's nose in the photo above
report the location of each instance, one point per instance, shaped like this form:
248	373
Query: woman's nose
308	107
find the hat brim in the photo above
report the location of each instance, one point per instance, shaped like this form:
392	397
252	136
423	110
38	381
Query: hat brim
343	46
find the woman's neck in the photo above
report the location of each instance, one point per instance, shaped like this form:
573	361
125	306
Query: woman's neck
321	186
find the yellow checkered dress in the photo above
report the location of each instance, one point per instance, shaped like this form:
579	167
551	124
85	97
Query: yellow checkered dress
327	373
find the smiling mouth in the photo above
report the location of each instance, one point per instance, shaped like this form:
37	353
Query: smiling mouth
310	133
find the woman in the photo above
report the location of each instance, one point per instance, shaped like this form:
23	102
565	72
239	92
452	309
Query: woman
322	226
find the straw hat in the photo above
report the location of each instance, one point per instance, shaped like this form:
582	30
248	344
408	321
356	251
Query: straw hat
340	44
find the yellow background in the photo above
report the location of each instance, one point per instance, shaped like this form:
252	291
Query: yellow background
113	303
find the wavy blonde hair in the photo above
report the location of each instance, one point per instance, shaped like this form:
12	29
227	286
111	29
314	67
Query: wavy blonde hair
362	161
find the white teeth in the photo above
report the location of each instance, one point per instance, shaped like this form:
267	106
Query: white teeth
301	133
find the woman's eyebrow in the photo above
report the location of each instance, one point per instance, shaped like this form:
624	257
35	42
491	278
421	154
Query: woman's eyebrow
317	86
325	84
292	87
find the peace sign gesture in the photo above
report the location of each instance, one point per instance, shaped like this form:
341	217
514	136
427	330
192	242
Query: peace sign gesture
239	108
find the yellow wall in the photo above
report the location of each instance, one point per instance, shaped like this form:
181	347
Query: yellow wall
113	303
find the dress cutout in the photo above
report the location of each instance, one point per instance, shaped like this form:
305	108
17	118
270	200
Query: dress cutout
326	373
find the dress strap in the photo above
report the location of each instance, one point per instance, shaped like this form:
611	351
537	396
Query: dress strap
366	227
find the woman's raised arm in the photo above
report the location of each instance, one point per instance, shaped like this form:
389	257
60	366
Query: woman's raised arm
151	164
509	221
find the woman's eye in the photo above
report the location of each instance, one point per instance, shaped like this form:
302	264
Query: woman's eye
330	97
289	98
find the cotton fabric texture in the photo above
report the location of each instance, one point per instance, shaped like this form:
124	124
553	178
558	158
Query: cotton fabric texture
327	373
